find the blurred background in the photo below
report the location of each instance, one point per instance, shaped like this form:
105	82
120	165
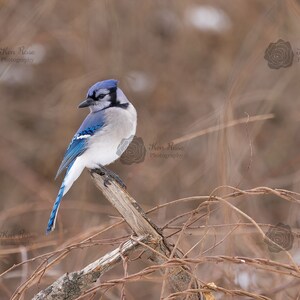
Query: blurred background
190	68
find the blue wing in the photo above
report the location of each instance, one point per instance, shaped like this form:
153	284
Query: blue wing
93	122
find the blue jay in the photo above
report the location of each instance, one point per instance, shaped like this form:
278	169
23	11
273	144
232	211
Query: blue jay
112	119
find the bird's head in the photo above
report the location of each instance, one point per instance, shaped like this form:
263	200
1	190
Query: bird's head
104	94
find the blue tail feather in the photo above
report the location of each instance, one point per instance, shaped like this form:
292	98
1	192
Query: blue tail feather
51	222
53	215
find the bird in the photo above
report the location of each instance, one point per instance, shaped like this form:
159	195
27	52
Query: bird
112	119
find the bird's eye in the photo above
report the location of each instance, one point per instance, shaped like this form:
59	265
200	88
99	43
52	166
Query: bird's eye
101	96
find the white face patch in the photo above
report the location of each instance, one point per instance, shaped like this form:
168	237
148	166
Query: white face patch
101	91
121	96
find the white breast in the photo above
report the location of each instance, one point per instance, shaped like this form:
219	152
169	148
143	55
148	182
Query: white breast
103	146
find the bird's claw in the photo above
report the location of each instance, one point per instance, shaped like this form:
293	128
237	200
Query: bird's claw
107	181
98	171
108	176
119	181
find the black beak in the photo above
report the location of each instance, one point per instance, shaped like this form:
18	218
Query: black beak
87	102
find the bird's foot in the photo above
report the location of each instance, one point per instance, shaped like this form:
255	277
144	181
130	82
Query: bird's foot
107	180
108	176
117	179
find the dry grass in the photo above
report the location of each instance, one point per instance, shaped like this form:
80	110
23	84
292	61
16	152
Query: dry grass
211	93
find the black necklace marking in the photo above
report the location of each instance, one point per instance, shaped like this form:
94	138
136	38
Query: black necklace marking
113	100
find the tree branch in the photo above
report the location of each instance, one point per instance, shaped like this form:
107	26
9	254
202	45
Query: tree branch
70	286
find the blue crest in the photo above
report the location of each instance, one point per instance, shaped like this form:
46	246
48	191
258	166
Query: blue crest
105	84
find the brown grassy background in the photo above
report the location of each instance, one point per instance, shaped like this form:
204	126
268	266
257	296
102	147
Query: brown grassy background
181	80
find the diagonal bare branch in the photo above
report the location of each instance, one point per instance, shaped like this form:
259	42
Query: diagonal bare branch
147	236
